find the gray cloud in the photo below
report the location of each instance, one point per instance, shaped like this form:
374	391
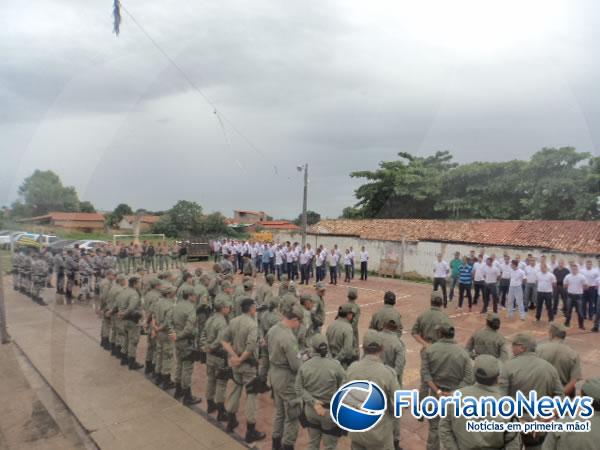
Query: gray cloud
340	85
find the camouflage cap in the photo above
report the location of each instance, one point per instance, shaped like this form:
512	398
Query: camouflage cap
305	298
187	290
320	286
222	302
270	278
524	339
352	293
198	271
246	278
492	316
345	309
273	302
247	302
444	326
166	289
248	284
436	296
558	329
486	366
295	312
226	285
318	340
121	277
591	388
372	338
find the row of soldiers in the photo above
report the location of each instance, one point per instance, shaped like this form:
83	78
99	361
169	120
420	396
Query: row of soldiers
267	339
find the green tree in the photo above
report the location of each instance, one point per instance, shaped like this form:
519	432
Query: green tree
86	207
165	226
119	212
311	218
43	192
185	215
212	225
350	212
408	187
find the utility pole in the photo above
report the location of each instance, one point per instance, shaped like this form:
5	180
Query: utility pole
304	204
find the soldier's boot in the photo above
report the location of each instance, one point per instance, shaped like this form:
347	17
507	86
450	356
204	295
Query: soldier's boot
232	422
158	379
149	368
133	364
188	398
252	434
114	350
167	383
103	342
124	359
211	406
276	443
222	415
178	392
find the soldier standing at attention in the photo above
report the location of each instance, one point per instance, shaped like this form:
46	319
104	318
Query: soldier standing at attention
105	287
371	368
265	291
71	268
150	258
446	366
283	367
388	310
183	334
580	441
130	312
150	299
394	356
216	358
318	314
164	346
340	337
39	272
163	258
527	372
352	296
425	332
316	382
565	360
110	313
453	432
488	340
240	340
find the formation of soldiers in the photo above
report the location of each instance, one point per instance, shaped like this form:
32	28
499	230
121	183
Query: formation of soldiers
255	340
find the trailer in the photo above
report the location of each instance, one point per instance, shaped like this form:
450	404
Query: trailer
197	248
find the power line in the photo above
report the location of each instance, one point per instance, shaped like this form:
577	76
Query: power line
220	116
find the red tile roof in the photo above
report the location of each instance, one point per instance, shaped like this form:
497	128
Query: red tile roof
279	225
67	216
560	235
144	219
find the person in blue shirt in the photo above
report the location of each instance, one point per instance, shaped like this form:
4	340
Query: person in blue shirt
266	259
465	281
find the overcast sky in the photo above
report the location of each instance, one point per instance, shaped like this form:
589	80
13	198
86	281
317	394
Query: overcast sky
340	85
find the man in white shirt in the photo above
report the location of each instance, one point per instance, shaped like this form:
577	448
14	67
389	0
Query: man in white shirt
441	270
491	275
364	261
515	290
575	283
546	282
590	294
352	258
505	269
478	282
333	266
531	283
217	250
303	259
279	261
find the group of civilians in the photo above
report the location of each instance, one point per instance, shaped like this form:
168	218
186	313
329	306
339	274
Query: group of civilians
522	285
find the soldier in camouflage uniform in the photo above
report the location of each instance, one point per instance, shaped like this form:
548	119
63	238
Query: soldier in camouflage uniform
161	314
183	333
105	287
59	269
240	340
318	313
71	269
265	291
283	367
488	340
39	273
151	297
16	268
129	304
25	274
49	258
111	313
445	367
316	382
388	309
453	432
353	305
340	337
85	277
97	264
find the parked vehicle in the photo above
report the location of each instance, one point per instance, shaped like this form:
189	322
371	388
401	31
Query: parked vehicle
58	246
86	244
42	239
196	248
6	240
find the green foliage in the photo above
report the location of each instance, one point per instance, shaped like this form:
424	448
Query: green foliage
311	218
554	184
185	219
43	192
117	215
212	225
86	207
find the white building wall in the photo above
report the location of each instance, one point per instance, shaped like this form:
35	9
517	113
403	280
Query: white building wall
418	256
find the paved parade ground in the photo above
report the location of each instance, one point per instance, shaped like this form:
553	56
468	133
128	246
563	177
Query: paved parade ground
123	409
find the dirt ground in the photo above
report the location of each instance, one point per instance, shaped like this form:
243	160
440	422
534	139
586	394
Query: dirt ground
413	298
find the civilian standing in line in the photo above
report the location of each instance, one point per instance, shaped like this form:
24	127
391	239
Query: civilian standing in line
505	269
531	271
352	259
546	282
590	293
348	266
465	280
454	273
575	284
333	269
515	290
560	272
364	261
478	281
441	269
491	275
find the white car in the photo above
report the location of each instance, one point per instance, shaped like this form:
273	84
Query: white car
87	245
11	236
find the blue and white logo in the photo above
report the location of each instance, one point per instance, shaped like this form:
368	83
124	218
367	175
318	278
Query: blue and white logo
358	406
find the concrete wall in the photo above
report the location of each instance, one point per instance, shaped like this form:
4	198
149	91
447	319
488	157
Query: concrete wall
418	256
